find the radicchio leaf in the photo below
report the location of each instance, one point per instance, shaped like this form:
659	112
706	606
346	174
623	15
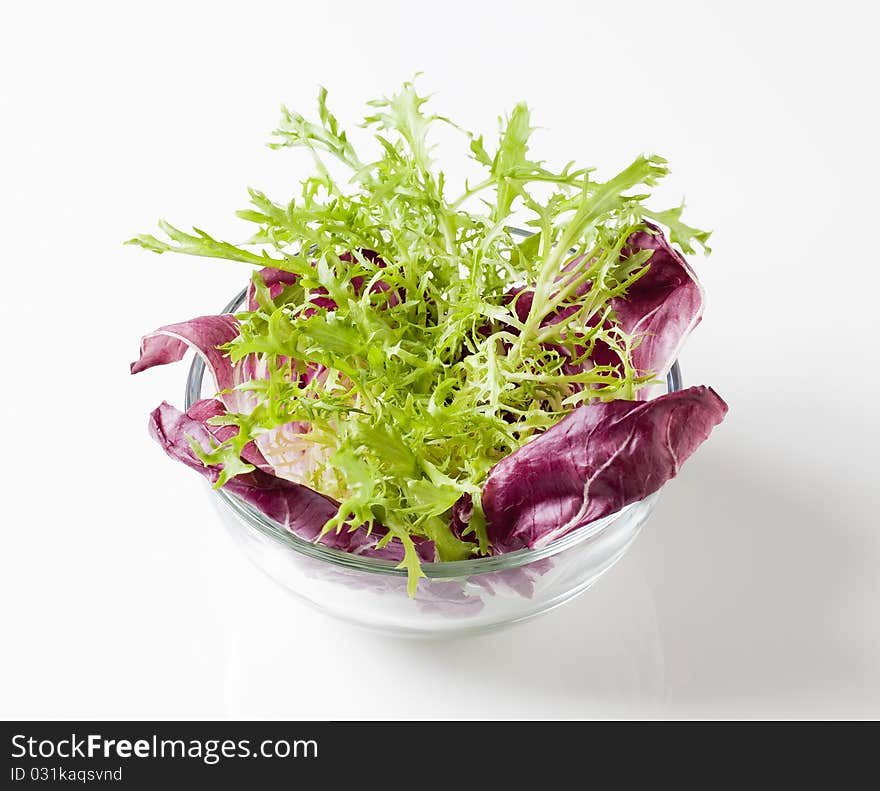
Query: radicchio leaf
275	279
204	334
662	307
592	463
301	510
280	451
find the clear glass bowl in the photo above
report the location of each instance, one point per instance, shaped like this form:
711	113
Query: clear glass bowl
456	597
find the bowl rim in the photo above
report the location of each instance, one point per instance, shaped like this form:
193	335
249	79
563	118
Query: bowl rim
434	570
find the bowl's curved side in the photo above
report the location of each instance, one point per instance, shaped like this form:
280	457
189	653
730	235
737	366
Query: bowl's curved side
442	606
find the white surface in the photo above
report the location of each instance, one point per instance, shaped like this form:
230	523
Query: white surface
754	591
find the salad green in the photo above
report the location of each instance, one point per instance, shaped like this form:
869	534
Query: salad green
418	338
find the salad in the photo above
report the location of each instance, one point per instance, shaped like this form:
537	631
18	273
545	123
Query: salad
413	379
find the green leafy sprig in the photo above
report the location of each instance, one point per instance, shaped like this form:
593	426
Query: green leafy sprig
429	373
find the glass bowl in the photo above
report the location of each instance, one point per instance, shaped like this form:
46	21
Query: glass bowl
455	597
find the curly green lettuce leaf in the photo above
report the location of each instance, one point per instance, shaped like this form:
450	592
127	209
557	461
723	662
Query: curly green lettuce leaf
420	339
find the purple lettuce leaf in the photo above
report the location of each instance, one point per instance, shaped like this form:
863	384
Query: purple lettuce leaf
277	280
662	307
592	463
298	508
204	334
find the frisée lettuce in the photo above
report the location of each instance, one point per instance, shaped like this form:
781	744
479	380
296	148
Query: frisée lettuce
408	359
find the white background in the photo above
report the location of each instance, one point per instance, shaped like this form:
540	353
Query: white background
754	591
